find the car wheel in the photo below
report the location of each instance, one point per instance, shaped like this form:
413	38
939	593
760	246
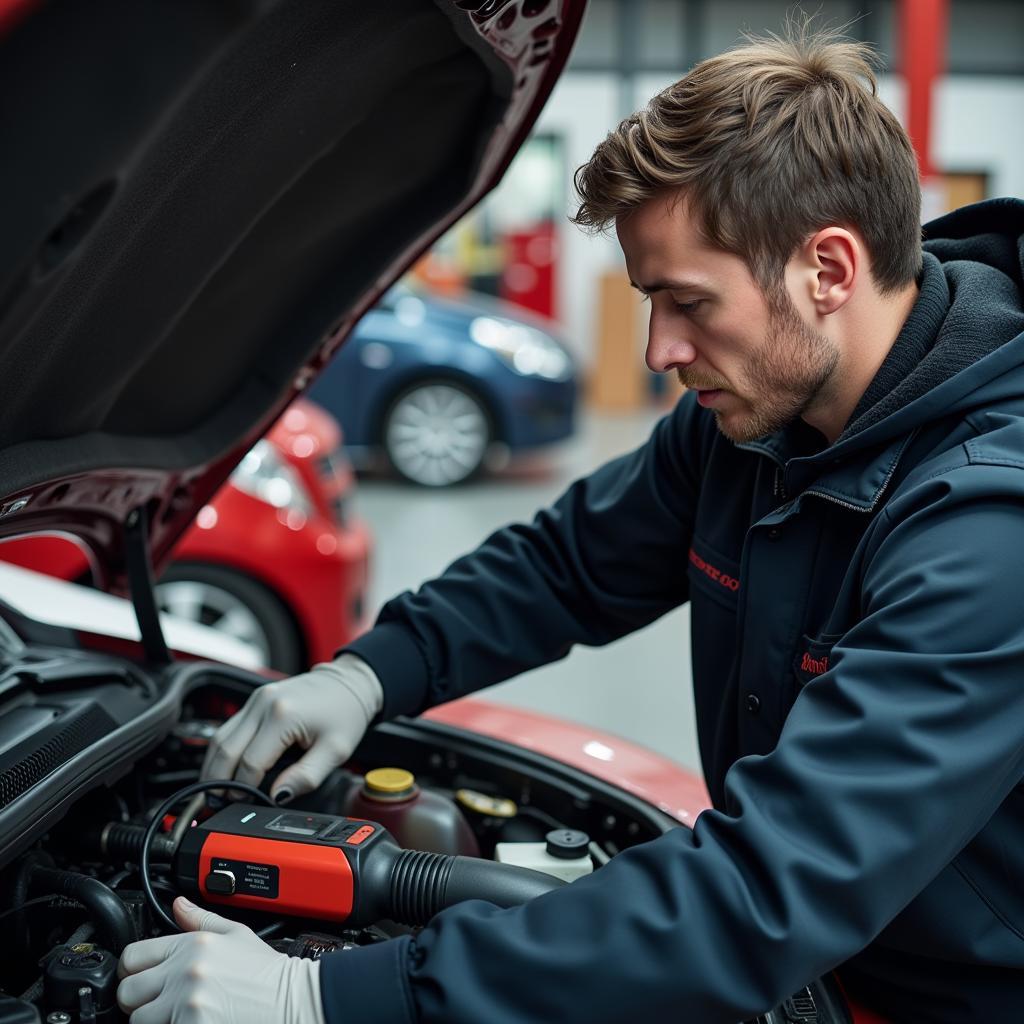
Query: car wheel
436	434
236	605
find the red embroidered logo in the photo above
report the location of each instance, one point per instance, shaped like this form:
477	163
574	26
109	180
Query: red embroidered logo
722	578
815	666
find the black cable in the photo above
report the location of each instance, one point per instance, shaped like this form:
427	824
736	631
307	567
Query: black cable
51	897
147	840
528	811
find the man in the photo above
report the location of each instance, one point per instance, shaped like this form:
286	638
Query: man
840	498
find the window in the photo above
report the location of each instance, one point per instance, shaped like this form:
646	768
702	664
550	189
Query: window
986	37
726	20
661	35
598	41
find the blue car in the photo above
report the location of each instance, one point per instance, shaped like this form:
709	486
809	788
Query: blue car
443	387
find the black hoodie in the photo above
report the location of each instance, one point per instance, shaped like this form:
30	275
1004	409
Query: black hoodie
858	662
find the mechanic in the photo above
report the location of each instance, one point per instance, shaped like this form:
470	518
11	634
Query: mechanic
840	497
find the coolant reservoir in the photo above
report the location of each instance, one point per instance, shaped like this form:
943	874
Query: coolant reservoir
418	819
565	853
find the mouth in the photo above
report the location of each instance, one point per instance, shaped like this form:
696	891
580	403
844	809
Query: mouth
708	397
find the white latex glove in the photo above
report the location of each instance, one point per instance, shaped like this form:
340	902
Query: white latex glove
326	711
217	971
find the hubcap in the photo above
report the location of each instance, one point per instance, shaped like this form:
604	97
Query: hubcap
437	435
212	606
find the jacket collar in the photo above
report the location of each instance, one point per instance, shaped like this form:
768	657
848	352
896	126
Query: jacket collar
856	481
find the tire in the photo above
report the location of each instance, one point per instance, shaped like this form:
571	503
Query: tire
235	604
436	433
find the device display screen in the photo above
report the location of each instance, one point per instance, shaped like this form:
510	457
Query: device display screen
298	824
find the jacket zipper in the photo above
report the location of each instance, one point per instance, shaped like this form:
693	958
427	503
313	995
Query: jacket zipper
840	502
878	493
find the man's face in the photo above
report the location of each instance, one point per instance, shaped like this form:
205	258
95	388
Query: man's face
752	360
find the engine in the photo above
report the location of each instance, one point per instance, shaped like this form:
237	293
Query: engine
397	846
424	816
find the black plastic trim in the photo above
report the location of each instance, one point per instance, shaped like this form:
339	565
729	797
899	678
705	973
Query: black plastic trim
140	582
107	760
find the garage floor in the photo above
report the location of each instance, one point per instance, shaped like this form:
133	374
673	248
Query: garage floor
639	687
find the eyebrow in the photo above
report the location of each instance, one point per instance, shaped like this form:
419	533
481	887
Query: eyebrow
673	286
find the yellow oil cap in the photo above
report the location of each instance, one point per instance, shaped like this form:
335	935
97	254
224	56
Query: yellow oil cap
491	806
388	782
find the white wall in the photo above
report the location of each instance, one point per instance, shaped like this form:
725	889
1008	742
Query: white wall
582	110
977	128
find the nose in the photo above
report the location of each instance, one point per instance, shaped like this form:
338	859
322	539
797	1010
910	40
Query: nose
667	349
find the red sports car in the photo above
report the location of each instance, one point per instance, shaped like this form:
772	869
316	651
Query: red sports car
276	559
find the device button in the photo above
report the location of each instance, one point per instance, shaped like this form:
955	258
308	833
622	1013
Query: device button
339	830
359	835
221	882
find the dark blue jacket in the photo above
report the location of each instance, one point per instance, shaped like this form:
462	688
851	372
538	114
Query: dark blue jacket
858	663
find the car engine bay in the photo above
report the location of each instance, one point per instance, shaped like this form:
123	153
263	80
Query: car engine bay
99	801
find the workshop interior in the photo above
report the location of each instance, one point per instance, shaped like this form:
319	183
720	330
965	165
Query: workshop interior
191	234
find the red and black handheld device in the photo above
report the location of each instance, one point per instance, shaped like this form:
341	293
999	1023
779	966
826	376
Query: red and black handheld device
288	862
335	869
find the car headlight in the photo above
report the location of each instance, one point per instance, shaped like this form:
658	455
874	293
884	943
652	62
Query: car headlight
264	474
527	350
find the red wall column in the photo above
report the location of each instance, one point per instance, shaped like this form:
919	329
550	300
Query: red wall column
923	31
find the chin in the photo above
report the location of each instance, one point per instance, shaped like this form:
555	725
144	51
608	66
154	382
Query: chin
743	431
738	431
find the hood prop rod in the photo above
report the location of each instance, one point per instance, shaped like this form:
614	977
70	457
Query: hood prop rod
140	584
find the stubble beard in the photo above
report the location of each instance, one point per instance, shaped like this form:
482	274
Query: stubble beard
794	368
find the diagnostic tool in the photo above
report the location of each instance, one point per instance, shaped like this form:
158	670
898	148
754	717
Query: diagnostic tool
287	862
330	868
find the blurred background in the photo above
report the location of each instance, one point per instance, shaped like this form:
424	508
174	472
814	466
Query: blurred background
954	74
509	361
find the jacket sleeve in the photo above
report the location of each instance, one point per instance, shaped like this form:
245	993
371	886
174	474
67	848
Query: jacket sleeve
607	558
888	764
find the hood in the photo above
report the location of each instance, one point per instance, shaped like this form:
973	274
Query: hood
962	347
958	350
969	307
201	200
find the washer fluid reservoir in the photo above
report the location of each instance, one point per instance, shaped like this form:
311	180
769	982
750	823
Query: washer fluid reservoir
418	819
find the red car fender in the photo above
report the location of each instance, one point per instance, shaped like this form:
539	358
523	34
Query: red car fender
318	570
646	775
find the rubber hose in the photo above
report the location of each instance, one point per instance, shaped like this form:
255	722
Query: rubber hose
114	924
423	884
122	841
34	991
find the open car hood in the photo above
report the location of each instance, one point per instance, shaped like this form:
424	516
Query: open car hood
200	200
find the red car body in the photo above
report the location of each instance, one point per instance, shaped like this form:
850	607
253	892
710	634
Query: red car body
313	564
635	769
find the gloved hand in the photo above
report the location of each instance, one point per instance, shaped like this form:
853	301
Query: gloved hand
326	711
218	971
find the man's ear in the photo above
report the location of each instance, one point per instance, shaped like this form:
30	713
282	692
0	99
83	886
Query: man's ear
834	258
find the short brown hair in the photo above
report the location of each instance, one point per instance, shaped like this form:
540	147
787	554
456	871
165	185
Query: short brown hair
769	142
